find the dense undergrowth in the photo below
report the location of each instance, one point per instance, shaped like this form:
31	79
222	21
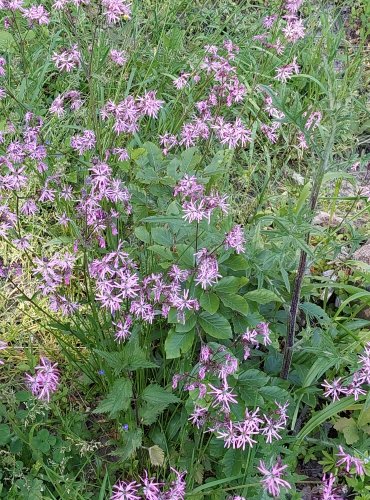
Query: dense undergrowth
184	190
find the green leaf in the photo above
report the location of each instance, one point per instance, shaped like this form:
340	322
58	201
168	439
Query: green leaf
262	296
156	455
349	428
178	343
210	302
253	377
323	415
142	234
232	462
274	393
229	284
5	434
235	302
162	236
236	263
364	417
118	399
314	311
6	39
155	400
215	325
132	440
154	393
161	251
131	358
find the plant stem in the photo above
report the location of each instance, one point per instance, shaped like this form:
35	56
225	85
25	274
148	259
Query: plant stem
288	348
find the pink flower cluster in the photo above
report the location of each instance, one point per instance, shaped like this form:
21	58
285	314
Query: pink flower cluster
119	286
196	205
118	57
252	338
235	239
292	28
36	14
216	407
73	97
353	386
67	59
241	433
349	462
127	113
115	10
150	489
45	381
19	154
225	91
83	142
56	273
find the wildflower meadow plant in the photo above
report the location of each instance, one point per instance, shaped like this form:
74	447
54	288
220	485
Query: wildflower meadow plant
196	350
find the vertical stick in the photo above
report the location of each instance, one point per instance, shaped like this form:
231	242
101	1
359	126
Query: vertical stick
301	271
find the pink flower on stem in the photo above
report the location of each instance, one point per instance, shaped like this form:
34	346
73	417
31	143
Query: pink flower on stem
124	490
272	481
84	142
334	389
68	59
222	396
284	73
328	491
45	381
115	10
235	239
36	13
348	461
149	105
119	57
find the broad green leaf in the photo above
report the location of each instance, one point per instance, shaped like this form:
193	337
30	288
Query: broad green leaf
215	325
210	302
236	263
253	377
232	462
235	302
156	455
178	343
155	400
118	399
229	284
154	393
132	440
131	358
142	234
349	428
5	434
262	296
274	393
161	251
364	417
162	236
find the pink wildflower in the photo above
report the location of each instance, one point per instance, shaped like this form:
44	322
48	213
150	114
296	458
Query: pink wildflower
36	13
334	389
68	59
45	381
235	239
114	10
272	481
125	491
118	57
284	73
